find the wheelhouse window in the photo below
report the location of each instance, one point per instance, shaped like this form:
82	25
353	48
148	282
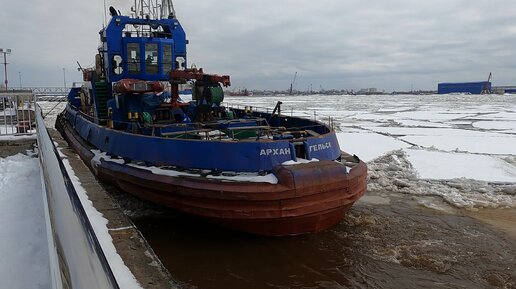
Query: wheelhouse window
133	61
151	58
167	58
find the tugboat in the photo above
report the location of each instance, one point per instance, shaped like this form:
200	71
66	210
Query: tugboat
254	171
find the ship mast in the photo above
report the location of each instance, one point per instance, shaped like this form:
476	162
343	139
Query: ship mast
167	9
152	9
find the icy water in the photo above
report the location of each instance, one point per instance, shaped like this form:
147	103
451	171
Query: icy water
386	241
439	212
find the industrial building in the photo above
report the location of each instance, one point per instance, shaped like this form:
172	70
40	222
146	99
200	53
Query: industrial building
479	87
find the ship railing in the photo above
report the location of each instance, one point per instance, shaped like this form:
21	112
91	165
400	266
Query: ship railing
322	120
204	131
17	113
286	110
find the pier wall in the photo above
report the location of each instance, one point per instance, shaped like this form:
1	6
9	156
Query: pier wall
76	257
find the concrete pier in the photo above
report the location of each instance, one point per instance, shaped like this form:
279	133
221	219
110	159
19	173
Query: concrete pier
129	243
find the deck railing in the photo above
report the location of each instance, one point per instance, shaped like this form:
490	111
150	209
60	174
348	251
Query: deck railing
17	113
329	120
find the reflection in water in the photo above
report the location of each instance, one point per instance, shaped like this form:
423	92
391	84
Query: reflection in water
376	246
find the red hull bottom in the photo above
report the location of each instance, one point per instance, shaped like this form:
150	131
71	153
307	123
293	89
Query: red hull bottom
278	226
308	197
289	226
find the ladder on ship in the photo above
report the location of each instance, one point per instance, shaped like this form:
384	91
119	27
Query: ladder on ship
102	95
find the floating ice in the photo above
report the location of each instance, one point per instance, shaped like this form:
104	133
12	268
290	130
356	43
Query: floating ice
447	166
496	125
368	146
395	173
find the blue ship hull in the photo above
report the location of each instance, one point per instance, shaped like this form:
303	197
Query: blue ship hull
239	156
305	198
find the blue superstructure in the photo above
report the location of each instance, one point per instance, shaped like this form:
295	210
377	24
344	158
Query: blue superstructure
149	52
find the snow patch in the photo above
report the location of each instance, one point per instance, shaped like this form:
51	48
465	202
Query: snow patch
17	137
246	177
224	176
299	161
98	156
23	238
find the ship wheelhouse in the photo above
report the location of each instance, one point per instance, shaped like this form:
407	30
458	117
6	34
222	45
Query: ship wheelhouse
147	59
145	49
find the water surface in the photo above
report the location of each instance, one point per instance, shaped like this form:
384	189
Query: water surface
395	245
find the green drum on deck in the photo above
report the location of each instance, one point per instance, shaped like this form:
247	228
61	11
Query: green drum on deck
217	94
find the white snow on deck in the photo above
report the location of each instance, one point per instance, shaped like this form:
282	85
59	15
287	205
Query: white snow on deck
224	176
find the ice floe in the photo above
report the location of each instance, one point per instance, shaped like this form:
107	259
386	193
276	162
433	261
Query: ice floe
447	166
457	147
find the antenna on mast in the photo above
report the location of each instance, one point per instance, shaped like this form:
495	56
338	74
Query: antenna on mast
152	9
167	9
105	14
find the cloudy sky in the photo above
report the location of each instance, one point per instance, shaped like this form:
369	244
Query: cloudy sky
348	44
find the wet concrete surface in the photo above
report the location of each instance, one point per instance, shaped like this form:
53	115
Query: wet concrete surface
386	241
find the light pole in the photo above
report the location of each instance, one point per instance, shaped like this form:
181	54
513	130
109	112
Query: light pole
5	52
19	77
64	78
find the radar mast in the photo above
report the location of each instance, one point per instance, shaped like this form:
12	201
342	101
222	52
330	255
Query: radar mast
152	9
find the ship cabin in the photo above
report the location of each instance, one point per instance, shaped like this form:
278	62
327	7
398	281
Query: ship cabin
131	71
145	49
